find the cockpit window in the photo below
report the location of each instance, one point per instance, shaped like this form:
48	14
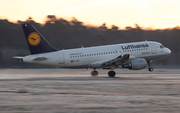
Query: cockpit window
161	46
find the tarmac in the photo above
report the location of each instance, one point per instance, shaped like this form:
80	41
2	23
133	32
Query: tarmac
76	91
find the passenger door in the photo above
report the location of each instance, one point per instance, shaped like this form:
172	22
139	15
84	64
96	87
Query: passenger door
61	58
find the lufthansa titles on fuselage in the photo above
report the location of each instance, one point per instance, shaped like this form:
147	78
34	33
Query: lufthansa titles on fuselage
134	46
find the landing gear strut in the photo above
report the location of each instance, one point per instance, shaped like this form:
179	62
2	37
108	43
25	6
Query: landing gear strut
111	73
149	64
94	73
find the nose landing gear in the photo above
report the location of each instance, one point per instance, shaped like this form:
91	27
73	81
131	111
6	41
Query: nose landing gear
149	64
150	69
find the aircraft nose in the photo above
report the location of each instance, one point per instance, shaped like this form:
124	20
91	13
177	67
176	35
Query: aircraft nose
168	51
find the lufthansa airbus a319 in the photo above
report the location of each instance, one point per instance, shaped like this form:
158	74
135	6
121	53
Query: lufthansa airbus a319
134	56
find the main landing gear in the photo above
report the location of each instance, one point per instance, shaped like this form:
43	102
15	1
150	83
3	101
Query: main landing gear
149	64
94	73
110	73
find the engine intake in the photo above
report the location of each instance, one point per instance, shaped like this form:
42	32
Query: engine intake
136	64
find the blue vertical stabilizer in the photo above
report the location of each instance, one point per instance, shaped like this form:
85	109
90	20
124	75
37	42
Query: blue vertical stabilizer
36	42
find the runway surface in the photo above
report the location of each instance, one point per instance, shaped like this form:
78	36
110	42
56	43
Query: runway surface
75	91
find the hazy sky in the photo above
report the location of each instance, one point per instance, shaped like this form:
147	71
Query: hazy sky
146	13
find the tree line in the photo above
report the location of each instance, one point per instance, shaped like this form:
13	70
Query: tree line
67	34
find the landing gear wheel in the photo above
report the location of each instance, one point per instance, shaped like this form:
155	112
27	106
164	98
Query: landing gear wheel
151	69
94	73
149	64
111	73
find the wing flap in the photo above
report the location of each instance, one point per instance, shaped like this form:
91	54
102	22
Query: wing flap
120	60
114	61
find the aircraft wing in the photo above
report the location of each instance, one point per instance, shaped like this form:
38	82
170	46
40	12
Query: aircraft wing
118	60
114	61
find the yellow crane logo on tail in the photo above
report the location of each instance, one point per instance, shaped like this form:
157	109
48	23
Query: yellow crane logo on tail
34	39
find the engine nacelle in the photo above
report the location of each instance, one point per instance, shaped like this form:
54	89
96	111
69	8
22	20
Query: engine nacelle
136	64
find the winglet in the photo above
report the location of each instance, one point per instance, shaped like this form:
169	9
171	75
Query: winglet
36	42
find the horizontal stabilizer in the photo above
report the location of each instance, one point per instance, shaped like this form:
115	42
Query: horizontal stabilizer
18	57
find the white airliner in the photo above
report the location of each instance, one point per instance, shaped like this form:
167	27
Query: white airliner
134	56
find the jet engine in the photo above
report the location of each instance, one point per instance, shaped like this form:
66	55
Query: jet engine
136	64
